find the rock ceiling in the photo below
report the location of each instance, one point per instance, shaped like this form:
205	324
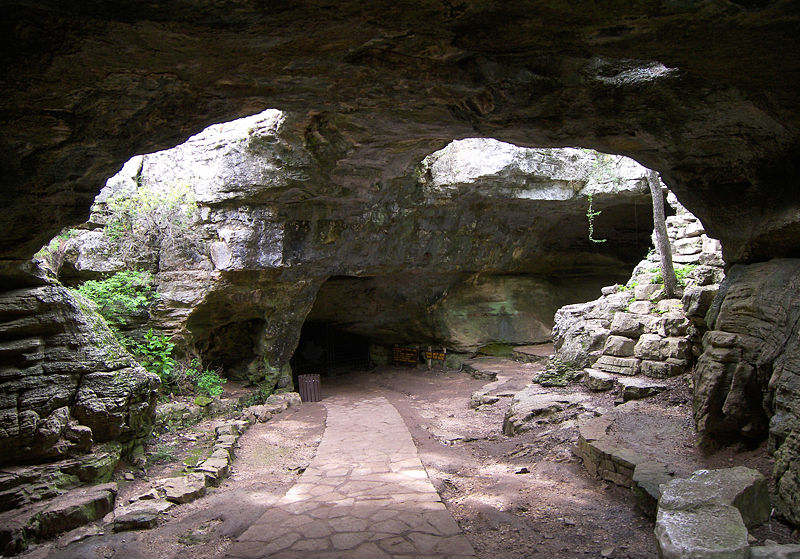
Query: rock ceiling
707	93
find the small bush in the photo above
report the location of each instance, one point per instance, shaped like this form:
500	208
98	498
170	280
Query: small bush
206	381
155	355
121	295
162	453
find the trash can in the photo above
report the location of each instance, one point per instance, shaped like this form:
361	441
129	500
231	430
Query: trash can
309	388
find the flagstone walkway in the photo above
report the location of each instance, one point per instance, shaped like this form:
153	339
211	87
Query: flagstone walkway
365	495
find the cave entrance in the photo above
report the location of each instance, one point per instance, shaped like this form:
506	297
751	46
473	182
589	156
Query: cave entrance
327	350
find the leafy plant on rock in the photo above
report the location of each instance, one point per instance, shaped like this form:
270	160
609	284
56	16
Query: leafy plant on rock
150	217
155	355
119	296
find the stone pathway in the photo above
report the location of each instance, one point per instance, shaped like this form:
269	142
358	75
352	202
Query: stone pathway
365	495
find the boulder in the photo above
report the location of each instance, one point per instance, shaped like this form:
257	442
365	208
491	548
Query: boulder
712	532
739	487
530	407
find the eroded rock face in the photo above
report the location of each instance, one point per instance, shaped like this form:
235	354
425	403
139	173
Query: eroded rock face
480	243
66	382
746	380
85	89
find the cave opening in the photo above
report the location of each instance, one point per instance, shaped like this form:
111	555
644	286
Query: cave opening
325	349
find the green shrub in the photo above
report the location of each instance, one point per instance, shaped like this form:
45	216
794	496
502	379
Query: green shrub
155	355
121	295
206	381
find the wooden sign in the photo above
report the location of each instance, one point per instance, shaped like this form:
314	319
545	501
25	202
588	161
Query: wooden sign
435	355
408	355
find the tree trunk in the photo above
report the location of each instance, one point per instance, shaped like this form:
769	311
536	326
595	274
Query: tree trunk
661	238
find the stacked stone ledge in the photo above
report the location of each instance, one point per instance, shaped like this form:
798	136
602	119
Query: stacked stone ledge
632	330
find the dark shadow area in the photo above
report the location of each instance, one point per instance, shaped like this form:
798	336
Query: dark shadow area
326	350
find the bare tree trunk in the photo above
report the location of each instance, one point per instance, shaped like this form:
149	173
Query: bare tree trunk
661	238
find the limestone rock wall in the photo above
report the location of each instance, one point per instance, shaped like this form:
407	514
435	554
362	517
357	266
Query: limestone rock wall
747	379
65	383
478	243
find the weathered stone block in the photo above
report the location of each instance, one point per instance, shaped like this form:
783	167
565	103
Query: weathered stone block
712	532
183	489
640	307
739	487
663	369
619	346
669	305
598	381
638	388
630	325
672	324
619	365
697	301
645	291
652	347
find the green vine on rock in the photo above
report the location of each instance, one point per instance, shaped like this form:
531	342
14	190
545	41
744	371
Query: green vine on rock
590	215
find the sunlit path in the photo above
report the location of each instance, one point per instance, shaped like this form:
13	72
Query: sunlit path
365	494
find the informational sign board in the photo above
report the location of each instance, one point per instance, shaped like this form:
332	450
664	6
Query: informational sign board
406	355
436	355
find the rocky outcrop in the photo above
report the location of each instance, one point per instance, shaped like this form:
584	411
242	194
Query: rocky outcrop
66	383
433	260
632	329
746	380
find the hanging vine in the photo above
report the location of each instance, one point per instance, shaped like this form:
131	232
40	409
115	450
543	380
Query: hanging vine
590	215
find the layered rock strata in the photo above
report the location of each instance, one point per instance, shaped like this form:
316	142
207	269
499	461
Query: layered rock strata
66	383
746	380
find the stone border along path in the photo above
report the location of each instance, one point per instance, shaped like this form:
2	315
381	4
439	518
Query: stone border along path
364	495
